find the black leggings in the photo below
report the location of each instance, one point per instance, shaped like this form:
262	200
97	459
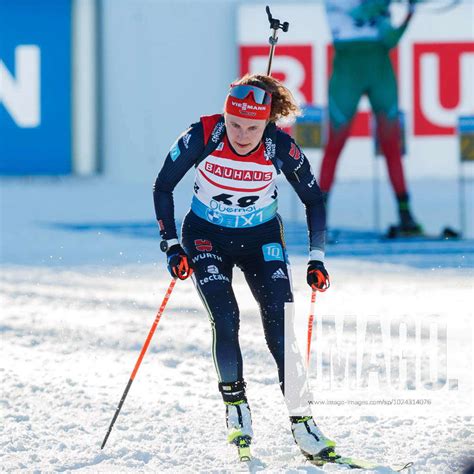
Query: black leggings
260	253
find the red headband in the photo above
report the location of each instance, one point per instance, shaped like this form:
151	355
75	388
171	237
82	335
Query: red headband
247	108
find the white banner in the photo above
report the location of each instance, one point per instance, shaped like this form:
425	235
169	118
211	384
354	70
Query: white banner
434	64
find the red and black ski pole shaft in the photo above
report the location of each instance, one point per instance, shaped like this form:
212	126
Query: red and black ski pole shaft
322	286
310	326
140	358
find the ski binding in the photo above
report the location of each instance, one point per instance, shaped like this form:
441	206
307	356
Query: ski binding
243	447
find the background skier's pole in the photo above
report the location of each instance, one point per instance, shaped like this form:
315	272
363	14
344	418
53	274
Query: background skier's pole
140	357
275	25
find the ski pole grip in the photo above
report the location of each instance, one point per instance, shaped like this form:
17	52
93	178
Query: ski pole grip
275	22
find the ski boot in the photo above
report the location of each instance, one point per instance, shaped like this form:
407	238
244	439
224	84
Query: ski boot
238	418
239	427
407	227
310	439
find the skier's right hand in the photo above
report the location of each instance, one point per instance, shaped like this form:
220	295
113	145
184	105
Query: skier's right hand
317	276
178	262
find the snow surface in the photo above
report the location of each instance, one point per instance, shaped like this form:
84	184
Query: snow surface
81	281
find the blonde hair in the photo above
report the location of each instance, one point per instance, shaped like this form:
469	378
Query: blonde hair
283	102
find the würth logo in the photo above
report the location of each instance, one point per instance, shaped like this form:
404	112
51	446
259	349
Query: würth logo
203	245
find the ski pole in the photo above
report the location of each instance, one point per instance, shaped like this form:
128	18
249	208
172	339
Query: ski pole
275	25
310	326
323	285
140	357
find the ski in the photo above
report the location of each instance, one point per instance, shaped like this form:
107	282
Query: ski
394	232
352	463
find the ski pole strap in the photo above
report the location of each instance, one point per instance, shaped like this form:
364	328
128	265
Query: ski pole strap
322	282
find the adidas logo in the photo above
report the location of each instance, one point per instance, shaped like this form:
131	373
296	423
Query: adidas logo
186	139
279	274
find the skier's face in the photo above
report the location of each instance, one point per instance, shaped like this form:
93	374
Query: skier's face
244	134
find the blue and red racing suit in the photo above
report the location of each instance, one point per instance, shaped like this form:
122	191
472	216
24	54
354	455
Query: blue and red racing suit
233	221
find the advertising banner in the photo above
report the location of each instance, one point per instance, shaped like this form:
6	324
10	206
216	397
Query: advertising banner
35	87
434	64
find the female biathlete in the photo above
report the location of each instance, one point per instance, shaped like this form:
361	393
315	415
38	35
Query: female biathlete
233	221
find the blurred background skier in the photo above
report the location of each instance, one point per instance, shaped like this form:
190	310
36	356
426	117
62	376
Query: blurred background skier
363	37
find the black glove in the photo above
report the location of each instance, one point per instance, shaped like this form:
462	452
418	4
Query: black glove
317	276
178	262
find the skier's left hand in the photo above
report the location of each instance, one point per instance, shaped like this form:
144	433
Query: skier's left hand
317	276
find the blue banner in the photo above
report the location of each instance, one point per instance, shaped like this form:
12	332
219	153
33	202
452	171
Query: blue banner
466	124
35	87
